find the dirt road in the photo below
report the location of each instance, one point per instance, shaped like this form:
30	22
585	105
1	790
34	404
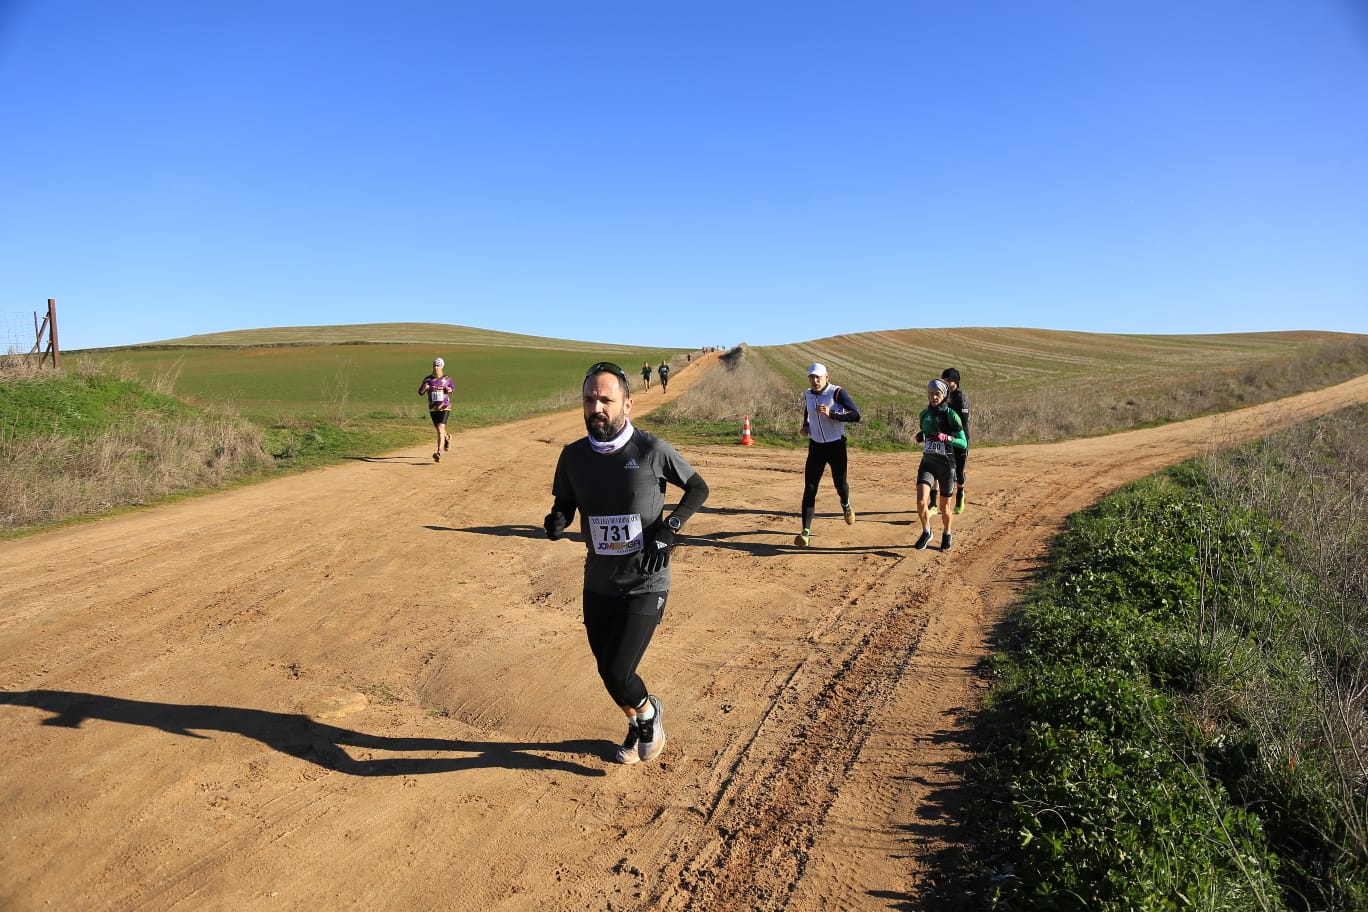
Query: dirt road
368	687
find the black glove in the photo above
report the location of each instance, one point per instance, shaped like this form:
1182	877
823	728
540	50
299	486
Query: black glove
655	550
920	437
554	524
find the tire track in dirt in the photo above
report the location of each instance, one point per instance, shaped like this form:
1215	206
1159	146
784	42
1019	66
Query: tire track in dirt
776	793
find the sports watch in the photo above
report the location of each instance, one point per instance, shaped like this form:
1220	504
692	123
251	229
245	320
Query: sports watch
674	523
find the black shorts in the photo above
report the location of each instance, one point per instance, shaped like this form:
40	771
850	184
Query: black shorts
439	417
937	473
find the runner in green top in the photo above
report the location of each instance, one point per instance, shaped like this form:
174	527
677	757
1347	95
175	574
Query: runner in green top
941	435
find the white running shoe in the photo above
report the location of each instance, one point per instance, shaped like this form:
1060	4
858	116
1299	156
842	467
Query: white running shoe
651	740
628	752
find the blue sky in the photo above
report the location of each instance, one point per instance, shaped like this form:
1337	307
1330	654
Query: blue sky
684	174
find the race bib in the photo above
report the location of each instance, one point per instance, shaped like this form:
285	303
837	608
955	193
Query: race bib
616	536
937	448
437	396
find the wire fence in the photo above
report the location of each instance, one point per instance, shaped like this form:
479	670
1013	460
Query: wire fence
17	334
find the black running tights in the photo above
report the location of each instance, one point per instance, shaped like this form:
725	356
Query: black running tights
619	629
821	455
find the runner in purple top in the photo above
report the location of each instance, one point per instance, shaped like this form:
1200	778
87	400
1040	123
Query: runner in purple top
438	389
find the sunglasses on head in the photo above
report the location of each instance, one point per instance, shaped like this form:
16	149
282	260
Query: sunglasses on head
607	367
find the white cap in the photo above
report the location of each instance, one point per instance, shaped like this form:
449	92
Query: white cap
818	369
438	362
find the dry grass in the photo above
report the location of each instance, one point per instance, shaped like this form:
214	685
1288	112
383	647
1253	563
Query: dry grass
16	367
743	385
51	479
149	456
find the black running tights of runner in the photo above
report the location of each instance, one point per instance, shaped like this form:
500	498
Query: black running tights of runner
619	629
821	455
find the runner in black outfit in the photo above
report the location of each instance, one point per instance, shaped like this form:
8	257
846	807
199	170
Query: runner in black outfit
664	373
616	479
959	404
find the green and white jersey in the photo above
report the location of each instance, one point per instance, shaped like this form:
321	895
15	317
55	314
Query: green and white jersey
937	421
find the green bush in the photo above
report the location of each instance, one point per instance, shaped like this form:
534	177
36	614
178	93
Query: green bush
1176	718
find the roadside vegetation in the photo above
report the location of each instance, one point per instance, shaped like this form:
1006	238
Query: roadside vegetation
1024	386
87	441
1178	718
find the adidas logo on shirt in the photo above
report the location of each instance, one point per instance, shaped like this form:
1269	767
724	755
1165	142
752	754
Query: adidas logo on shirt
631	464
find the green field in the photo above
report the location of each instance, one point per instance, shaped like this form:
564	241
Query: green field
371	372
440	334
367	381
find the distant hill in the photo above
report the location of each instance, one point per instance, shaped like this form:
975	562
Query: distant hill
901	360
379	334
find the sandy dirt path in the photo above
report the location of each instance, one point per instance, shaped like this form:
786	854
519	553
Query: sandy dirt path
368	687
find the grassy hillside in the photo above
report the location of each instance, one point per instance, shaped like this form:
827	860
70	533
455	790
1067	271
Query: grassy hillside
893	362
442	334
86	442
1024	385
376	382
370	372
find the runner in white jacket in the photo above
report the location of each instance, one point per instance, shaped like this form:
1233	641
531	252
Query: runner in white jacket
826	411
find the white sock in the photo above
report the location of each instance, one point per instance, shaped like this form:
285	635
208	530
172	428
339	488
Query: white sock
645	715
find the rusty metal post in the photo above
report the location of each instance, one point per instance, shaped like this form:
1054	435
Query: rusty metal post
52	334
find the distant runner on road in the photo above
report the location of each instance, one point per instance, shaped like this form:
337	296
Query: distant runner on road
826	409
664	372
958	402
438	388
646	373
941	435
615	478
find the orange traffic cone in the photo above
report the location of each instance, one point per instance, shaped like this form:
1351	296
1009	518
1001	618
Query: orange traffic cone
746	438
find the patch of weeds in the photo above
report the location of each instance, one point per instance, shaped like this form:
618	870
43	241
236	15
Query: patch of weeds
379	694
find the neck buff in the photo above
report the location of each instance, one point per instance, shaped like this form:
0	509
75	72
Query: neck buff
617	443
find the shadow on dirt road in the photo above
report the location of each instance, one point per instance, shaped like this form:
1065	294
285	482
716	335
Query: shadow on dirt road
302	737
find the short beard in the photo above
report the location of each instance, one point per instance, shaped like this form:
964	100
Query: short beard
606	432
